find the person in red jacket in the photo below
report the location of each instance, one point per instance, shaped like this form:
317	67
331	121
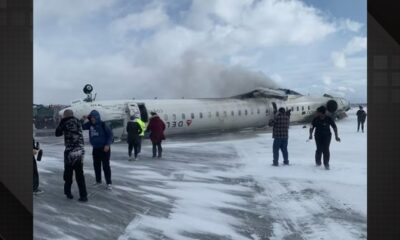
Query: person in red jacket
156	128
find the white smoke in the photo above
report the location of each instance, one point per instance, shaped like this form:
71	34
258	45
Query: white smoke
198	77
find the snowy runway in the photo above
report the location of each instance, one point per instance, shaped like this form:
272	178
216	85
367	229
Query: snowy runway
218	188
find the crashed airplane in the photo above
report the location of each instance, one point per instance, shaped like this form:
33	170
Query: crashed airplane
187	116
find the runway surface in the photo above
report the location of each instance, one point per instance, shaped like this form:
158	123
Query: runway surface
212	187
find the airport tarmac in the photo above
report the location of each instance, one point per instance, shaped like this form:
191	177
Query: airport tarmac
212	187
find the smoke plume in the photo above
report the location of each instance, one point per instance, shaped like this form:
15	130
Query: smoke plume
198	77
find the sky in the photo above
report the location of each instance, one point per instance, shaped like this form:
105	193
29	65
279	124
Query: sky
197	48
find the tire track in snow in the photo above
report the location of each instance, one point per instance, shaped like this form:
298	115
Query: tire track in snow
304	213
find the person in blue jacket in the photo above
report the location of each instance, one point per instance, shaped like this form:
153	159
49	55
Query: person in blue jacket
101	138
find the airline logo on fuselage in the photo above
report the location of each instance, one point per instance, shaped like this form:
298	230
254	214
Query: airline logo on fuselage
178	124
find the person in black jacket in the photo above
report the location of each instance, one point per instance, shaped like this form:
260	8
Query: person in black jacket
74	152
361	116
36	150
322	123
134	130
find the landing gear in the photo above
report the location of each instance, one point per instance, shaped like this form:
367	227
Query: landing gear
88	89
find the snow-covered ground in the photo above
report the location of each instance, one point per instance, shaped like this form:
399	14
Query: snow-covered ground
213	187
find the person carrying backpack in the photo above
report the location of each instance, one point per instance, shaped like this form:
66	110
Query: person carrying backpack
101	138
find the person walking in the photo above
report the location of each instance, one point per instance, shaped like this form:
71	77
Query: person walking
322	124
156	128
134	130
141	135
101	138
280	133
74	153
361	117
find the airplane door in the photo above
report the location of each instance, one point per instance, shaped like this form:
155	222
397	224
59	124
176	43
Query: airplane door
130	110
143	112
275	108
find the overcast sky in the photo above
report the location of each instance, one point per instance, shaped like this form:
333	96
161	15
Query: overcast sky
197	48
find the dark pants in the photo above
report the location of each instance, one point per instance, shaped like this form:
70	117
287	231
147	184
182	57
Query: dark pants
102	158
157	149
280	144
35	176
323	143
360	123
135	147
139	144
79	177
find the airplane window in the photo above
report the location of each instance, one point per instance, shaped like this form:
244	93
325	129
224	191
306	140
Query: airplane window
302	108
225	114
166	117
174	117
192	115
240	112
258	111
245	112
183	116
251	111
292	109
217	114
209	114
309	108
201	115
298	109
233	113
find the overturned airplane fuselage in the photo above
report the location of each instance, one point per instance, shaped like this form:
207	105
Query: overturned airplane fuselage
187	116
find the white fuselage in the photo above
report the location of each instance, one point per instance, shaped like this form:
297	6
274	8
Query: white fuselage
187	116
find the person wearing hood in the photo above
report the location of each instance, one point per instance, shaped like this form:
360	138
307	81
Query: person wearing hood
156	128
134	131
74	153
101	138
